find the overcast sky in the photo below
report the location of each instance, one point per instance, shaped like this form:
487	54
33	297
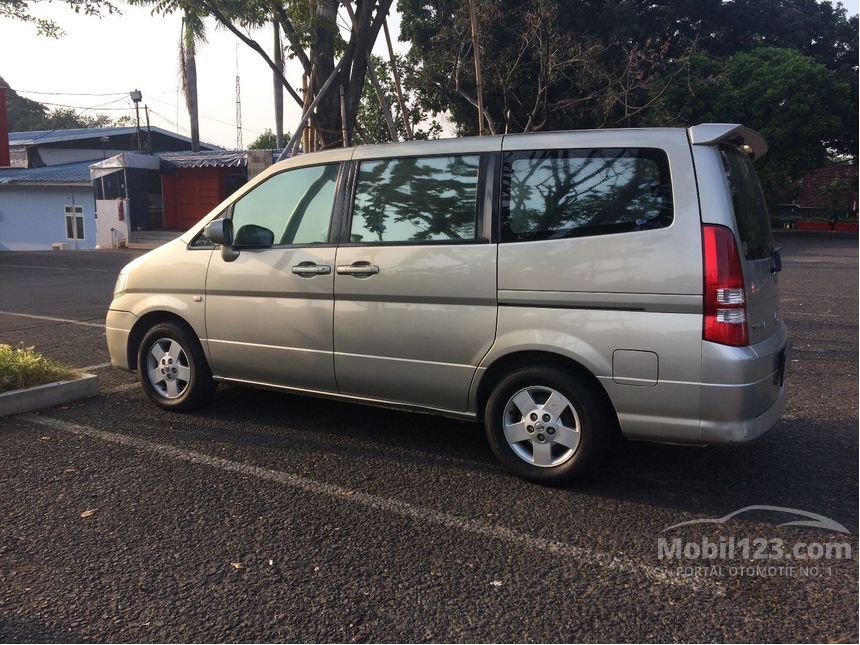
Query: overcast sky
116	54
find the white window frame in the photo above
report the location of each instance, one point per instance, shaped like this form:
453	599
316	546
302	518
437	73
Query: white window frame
74	214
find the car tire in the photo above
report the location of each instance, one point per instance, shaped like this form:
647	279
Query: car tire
173	370
548	425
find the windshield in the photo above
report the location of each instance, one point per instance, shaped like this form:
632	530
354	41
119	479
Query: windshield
748	201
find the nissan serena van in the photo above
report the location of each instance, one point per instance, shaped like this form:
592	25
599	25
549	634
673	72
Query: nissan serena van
561	287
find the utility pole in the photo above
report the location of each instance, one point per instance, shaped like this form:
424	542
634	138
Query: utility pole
238	104
148	130
136	96
478	82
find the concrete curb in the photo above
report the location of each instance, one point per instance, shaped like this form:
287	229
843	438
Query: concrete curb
45	396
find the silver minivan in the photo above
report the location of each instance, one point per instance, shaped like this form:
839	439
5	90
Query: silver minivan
562	287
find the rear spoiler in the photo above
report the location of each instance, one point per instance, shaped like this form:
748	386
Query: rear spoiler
709	134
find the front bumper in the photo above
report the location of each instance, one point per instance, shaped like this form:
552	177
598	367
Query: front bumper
118	326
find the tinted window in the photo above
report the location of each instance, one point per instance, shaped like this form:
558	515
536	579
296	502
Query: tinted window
749	204
416	199
293	207
565	193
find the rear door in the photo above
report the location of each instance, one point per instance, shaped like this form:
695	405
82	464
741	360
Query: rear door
415	284
752	226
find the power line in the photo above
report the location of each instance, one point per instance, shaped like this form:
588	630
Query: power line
209	118
122	96
67	93
88	109
178	127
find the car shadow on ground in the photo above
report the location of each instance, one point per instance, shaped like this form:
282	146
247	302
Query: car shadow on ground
798	464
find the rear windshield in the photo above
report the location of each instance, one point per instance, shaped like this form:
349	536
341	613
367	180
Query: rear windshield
748	201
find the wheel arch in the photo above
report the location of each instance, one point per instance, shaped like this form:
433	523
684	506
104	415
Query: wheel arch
504	365
147	322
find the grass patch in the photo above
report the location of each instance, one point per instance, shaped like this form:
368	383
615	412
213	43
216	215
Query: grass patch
25	367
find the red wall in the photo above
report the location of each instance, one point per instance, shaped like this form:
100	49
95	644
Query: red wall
190	194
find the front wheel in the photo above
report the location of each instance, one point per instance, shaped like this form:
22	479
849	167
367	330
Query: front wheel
173	370
548	425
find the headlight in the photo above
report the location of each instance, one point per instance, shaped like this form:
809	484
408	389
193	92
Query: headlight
119	287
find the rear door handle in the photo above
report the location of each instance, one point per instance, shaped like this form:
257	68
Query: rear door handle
309	269
359	269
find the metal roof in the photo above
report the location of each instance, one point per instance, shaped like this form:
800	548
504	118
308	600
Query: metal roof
37	137
67	173
229	159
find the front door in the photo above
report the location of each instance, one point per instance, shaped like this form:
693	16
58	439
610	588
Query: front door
415	286
269	312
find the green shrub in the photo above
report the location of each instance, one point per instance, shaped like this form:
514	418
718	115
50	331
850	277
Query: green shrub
24	367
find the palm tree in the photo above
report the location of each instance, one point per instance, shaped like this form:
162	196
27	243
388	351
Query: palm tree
278	86
193	32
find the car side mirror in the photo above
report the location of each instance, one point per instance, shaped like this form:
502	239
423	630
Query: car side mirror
220	231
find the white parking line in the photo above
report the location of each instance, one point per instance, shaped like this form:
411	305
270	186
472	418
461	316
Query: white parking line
814	314
33	266
52	319
615	563
94	368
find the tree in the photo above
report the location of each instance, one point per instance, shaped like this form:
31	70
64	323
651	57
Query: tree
797	104
268	141
193	33
371	123
68	118
315	41
20	10
546	64
26	114
785	67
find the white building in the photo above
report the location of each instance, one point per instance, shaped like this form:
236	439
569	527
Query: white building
46	196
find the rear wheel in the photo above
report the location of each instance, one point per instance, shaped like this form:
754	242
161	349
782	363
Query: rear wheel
548	425
173	370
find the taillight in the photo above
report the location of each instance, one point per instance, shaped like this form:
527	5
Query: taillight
725	296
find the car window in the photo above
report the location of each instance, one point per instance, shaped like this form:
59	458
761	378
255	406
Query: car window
552	194
292	207
749	204
416	199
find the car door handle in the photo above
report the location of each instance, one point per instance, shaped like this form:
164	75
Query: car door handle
308	269
358	269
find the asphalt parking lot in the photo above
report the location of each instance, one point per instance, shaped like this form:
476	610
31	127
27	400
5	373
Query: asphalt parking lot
275	517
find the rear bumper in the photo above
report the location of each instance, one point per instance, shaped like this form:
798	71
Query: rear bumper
731	432
743	393
118	327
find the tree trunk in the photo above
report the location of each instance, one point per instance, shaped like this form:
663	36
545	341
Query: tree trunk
327	116
191	89
278	87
